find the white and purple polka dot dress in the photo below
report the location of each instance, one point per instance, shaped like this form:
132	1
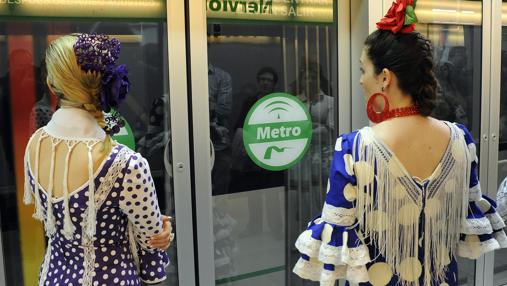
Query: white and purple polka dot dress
109	246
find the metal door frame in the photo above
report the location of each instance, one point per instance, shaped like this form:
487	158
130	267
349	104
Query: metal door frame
2	267
495	48
197	35
178	94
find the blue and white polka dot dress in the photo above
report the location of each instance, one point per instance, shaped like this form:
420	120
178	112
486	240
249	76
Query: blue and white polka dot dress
113	249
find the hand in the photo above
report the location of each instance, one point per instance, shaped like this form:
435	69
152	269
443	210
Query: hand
163	240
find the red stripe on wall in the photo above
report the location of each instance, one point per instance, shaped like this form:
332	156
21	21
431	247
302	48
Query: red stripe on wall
22	97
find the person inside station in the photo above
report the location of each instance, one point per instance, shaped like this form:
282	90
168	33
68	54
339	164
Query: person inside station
310	174
247	176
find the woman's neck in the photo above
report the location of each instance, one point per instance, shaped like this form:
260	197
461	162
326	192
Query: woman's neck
72	122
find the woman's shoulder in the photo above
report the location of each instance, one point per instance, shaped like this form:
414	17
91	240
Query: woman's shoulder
130	156
345	141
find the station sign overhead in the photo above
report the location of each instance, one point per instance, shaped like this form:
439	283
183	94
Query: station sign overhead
294	11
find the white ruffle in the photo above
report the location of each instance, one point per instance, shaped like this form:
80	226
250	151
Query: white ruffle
308	245
475	193
336	255
476	226
308	269
501	238
357	274
474	249
496	221
356	256
328	278
339	216
313	270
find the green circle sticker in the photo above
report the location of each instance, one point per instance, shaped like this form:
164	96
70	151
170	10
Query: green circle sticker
277	131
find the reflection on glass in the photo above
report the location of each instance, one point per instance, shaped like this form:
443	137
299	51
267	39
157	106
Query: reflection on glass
25	105
500	266
258	213
454	28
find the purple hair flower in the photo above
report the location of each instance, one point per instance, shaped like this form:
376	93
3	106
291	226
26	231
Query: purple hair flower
98	53
115	86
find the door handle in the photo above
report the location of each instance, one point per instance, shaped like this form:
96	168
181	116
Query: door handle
168	159
212	154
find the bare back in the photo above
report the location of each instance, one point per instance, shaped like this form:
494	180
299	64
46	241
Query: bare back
78	163
419	143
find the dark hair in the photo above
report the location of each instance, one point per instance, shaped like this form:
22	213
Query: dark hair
268	70
409	56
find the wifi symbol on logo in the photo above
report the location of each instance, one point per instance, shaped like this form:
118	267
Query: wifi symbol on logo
278	106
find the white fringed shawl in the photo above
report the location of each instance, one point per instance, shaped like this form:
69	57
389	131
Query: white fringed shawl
71	126
389	214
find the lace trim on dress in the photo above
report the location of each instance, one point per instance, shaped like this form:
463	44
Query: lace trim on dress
45	265
100	197
338	215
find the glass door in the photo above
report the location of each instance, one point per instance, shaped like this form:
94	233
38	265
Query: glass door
455	29
276	60
499	264
26	29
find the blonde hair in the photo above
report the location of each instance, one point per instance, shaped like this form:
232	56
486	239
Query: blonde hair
74	86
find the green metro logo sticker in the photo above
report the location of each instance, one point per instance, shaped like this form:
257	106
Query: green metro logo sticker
277	131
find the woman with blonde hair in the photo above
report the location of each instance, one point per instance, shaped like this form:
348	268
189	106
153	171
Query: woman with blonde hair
403	198
95	197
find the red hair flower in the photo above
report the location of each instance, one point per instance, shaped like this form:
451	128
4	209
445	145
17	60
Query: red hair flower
400	17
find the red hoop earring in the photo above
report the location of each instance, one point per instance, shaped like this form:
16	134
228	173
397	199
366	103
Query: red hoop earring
377	117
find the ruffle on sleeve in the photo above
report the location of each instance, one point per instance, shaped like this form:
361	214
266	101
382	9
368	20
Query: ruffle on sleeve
330	252
482	231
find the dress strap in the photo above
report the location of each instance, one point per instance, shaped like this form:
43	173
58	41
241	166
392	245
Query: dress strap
68	226
38	206
50	218
91	215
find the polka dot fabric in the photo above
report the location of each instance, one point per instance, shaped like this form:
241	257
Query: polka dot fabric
138	200
125	198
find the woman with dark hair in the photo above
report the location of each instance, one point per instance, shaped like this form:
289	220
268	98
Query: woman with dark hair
403	196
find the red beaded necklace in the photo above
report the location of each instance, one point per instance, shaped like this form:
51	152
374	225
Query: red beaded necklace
377	117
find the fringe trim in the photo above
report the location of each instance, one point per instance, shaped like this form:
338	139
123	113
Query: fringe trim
50	217
39	214
68	226
390	206
27	194
91	212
